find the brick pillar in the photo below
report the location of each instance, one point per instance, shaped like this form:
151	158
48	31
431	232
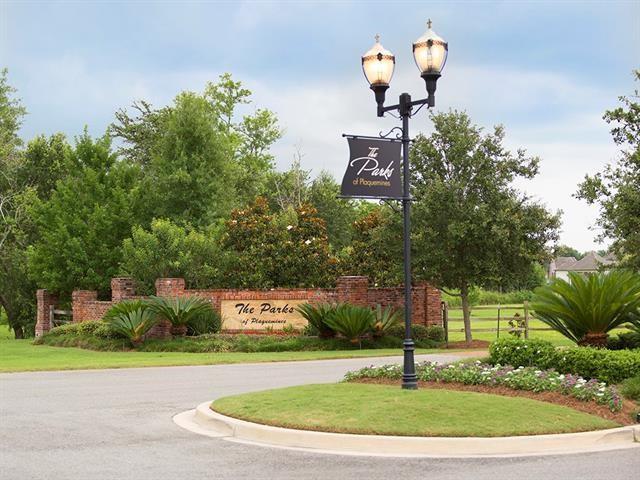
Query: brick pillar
170	287
122	288
45	300
353	290
78	300
433	307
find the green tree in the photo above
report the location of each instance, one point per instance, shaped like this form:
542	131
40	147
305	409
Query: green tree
472	227
200	160
170	250
616	190
376	248
566	251
16	292
80	228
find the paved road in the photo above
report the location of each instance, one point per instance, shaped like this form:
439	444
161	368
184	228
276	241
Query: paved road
116	424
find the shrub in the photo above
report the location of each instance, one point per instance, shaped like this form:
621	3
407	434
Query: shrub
131	319
351	321
584	309
631	388
525	353
432	335
606	365
180	311
521	378
624	341
385	320
316	316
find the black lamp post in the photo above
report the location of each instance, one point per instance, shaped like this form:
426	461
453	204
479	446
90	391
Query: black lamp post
430	53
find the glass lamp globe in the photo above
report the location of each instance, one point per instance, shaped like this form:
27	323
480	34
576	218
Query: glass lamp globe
378	64
430	52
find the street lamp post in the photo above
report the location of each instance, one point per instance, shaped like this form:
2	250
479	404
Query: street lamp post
430	54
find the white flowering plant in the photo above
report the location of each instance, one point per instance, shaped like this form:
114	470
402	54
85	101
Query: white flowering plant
520	378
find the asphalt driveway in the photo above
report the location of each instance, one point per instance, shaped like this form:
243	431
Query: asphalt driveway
117	424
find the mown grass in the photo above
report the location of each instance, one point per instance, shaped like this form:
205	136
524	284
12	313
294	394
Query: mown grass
388	410
22	355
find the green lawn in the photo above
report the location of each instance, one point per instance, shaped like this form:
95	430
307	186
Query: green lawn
21	355
388	410
480	320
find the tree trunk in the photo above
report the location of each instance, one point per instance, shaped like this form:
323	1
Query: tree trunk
594	340
18	332
466	312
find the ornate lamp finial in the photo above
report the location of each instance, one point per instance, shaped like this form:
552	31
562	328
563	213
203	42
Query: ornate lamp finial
377	37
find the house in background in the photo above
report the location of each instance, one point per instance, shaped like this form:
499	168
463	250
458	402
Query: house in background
590	263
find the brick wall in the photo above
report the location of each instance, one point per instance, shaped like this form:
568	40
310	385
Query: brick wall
352	289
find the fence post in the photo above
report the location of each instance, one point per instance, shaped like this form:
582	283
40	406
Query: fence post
445	322
498	332
526	319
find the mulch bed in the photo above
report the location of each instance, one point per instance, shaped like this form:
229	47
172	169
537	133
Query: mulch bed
473	344
624	417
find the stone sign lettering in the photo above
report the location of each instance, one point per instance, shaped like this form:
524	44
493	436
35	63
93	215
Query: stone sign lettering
261	314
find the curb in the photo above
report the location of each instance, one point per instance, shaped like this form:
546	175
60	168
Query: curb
205	421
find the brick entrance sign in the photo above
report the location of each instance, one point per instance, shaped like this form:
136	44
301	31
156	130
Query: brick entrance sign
355	290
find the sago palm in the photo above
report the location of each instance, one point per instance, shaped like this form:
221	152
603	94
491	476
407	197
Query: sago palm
386	318
179	311
351	321
316	315
586	308
132	319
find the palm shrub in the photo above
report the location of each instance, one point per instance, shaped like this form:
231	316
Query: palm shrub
351	321
586	308
131	319
179	311
316	316
385	320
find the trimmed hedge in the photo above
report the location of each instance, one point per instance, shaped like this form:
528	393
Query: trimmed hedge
433	333
611	366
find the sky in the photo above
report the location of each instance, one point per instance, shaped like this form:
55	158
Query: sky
546	70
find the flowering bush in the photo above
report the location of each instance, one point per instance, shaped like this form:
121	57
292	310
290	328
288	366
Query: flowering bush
521	378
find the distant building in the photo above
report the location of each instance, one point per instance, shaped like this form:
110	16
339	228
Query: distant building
590	263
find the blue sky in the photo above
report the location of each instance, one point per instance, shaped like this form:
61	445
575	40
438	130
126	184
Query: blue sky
546	70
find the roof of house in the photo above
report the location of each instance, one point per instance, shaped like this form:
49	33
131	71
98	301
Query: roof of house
590	262
562	262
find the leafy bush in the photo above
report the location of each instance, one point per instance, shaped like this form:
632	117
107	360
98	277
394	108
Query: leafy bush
385	320
351	321
585	308
180	311
624	341
631	388
607	365
131	319
521	378
525	353
419	333
316	316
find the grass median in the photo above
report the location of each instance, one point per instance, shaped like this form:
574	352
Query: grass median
388	410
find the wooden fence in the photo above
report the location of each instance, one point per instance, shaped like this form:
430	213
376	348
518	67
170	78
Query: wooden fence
505	314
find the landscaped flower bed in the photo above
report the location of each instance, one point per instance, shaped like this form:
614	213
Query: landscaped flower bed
521	378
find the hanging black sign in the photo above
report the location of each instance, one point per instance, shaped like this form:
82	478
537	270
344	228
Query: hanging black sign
373	170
